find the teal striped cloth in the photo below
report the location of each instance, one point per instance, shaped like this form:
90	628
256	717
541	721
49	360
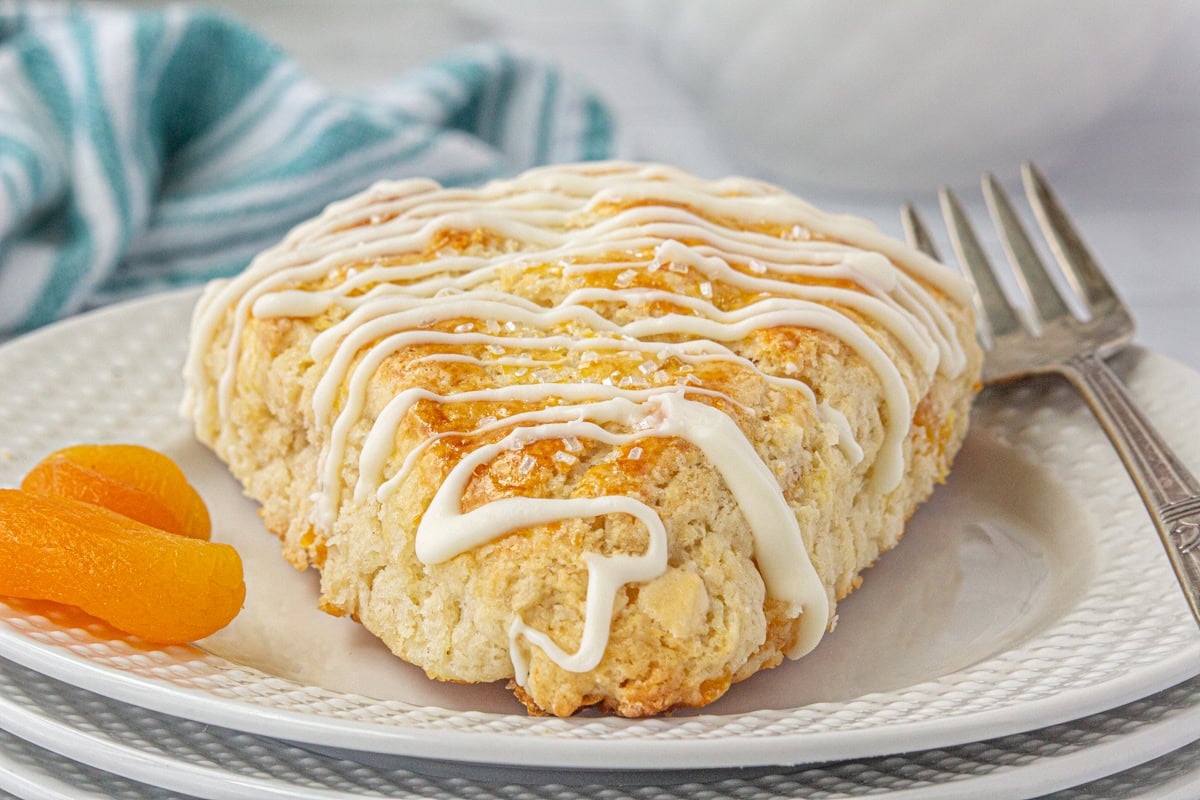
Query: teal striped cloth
148	149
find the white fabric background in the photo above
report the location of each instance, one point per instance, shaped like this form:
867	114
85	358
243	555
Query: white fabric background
1132	181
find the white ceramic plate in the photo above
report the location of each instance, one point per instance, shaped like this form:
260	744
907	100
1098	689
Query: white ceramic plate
32	773
221	764
1029	591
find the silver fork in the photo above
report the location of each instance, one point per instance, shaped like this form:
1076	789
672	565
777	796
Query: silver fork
1051	339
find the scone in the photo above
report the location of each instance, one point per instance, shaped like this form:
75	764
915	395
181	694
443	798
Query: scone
612	432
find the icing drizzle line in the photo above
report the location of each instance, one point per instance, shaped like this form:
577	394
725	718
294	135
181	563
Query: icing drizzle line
820	273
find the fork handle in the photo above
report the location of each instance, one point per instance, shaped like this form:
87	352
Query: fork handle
1168	488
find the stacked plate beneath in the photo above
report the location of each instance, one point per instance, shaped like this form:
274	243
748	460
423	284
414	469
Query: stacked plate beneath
1026	638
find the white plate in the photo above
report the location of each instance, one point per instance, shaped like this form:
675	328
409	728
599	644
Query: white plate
1018	600
211	762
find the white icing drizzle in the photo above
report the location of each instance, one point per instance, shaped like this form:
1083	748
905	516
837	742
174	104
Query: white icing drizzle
788	574
633	237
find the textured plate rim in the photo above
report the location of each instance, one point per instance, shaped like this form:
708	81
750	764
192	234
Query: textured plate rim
1101	757
567	744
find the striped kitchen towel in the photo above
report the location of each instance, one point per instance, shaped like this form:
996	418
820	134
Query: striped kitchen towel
147	149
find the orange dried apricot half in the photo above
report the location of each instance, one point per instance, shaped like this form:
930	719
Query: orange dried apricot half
157	585
140	483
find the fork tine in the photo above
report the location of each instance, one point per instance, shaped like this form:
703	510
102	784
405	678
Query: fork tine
1072	254
1031	272
916	232
998	312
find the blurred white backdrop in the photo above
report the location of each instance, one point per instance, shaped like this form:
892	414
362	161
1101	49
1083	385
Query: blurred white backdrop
857	105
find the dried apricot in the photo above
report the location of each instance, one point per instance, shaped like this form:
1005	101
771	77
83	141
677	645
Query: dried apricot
136	481
145	581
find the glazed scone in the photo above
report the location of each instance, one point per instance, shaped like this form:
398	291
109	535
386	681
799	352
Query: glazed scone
618	434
